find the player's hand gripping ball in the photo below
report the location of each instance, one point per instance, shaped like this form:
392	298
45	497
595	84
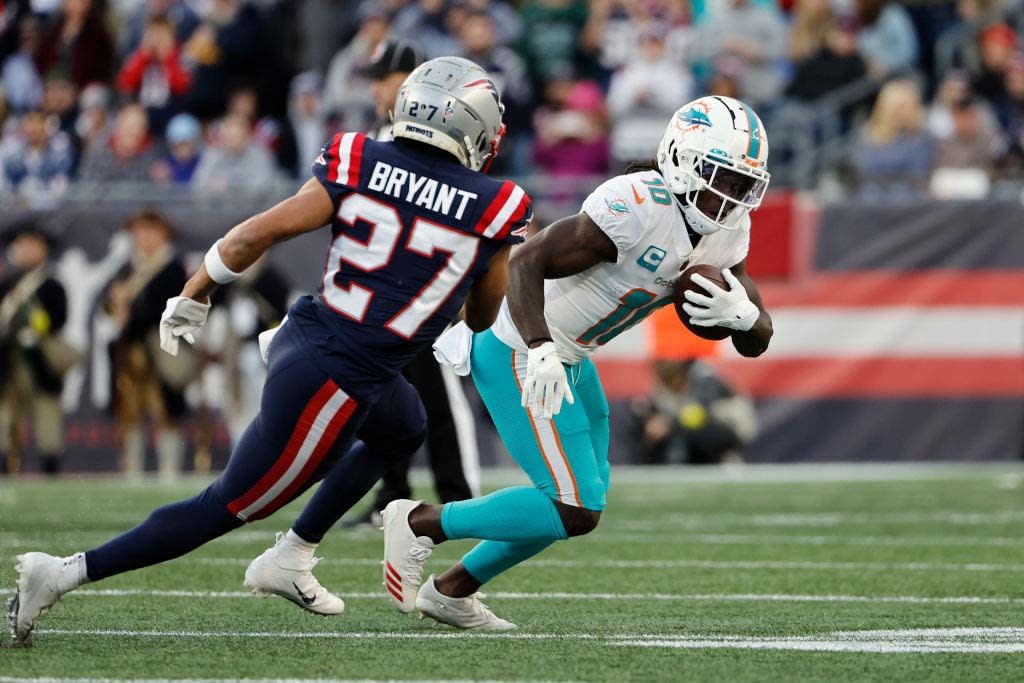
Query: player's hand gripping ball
716	309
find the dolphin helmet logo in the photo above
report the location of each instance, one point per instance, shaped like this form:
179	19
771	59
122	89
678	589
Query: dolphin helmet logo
694	117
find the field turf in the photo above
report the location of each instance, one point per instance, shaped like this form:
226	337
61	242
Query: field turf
786	573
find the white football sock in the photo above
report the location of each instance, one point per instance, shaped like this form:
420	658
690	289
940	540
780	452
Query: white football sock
74	573
298	548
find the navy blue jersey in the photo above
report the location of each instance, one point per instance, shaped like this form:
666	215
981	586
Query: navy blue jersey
413	229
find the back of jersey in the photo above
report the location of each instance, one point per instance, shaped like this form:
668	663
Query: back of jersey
413	229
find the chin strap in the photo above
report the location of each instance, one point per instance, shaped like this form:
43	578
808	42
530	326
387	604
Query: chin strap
471	155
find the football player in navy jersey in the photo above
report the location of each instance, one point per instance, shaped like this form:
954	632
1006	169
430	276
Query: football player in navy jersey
419	233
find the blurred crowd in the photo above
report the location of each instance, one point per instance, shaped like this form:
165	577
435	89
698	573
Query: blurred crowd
118	304
233	95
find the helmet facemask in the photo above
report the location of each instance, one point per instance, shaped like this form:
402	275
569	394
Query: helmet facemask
485	167
738	189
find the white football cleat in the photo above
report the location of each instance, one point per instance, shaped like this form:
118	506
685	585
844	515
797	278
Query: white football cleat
404	555
42	581
282	571
468	613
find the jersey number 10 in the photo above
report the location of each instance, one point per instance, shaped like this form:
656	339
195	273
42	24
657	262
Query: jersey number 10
426	239
636	304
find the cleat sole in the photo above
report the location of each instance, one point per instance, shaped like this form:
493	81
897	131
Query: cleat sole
12	618
14	604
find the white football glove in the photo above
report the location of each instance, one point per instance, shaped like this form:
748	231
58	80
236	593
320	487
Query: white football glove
546	384
181	318
730	308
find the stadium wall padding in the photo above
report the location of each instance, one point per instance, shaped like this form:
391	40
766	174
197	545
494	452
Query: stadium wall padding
902	338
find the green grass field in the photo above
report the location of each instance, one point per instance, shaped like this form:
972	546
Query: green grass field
823	573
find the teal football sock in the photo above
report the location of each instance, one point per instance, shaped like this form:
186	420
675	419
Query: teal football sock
490	558
520	513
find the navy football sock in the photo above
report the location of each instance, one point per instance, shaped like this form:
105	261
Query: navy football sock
346	483
169	532
350	479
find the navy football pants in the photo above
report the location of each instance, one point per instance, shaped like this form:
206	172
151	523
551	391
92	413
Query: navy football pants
303	434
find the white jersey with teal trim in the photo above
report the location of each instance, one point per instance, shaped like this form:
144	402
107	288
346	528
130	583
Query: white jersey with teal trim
636	211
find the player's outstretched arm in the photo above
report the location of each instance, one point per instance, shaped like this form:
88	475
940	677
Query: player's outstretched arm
754	341
308	209
484	299
568	246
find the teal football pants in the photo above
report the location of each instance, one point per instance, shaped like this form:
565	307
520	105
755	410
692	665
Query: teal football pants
566	458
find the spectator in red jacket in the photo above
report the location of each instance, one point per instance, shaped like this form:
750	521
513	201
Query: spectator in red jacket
78	45
154	75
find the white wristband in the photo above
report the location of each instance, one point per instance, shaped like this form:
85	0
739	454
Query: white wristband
215	267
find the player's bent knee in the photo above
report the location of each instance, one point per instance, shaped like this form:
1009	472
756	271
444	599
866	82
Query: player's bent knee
578	521
402	449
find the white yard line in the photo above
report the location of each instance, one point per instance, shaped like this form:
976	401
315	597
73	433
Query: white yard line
812	645
316	635
998	640
974	640
1012	633
556	595
770	565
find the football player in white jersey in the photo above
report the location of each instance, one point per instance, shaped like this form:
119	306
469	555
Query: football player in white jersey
573	287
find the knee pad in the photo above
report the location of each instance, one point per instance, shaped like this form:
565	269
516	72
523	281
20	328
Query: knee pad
400	447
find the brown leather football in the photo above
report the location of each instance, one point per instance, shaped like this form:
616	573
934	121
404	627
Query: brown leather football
684	284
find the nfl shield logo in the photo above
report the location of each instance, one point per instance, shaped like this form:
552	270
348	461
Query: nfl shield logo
448	113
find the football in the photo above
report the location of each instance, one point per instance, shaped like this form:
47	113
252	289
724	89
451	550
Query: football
684	284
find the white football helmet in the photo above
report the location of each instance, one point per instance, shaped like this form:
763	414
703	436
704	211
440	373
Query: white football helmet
715	144
451	103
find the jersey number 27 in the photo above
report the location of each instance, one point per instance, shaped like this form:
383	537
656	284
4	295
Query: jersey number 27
426	239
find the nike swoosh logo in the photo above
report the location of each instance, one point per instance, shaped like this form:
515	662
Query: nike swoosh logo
636	195
307	601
